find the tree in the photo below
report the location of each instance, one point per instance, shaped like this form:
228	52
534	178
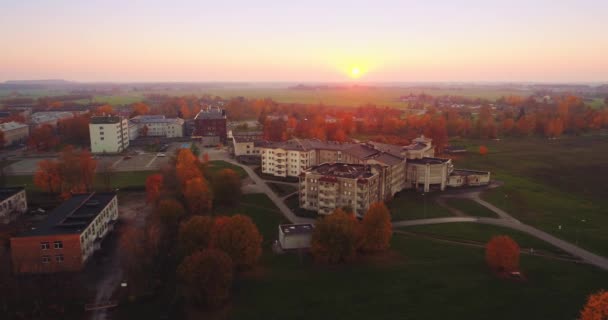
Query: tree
74	130
48	176
206	277
226	187
502	254
87	166
334	238
376	228
483	150
144	131
2	141
195	234
186	166
154	184
43	138
106	109
139	109
197	196
596	307
170	212
239	237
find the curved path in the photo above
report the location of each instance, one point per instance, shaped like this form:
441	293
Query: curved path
505	220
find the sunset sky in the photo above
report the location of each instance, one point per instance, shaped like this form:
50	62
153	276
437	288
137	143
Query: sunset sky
432	40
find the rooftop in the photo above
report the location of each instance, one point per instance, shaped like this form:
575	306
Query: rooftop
247	138
156	119
105	119
310	144
211	113
343	170
428	161
6	193
465	172
7	126
303	228
72	216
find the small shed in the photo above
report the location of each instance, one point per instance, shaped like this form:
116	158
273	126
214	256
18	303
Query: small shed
295	236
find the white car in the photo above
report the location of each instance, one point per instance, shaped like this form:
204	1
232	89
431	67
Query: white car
161	155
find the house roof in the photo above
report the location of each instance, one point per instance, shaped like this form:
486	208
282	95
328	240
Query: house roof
6	193
72	216
12	125
105	119
428	160
292	229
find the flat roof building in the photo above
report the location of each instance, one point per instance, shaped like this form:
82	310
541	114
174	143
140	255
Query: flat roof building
295	236
109	134
210	126
14	132
13	203
70	235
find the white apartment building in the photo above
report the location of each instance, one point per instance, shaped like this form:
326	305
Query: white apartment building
156	126
109	134
14	132
13	203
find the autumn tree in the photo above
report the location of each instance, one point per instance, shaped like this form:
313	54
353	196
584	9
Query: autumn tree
43	138
206	277
48	176
198	196
2	141
226	187
139	247
239	237
170	212
186	166
334	239
139	109
596	307
154	185
106	109
74	131
502	254
376	228
483	150
195	234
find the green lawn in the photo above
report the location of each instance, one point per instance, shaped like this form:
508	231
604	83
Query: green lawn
218	165
408	205
481	233
550	183
423	280
118	180
282	189
470	208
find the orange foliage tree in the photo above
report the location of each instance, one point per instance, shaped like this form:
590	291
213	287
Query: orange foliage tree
140	108
502	254
376	228
596	307
74	130
239	237
48	176
106	109
186	166
43	138
170	212
154	185
334	239
195	234
483	150
206	277
198	196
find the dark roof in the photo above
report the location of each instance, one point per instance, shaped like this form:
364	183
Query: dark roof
361	151
388	159
310	144
343	170
211	113
247	138
6	193
105	119
72	216
465	172
428	161
303	228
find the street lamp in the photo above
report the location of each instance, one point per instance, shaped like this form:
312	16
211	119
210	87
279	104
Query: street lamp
424	197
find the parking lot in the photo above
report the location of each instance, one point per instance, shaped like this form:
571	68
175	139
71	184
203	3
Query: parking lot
136	159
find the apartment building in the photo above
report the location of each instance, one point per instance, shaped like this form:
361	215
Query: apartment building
210	126
155	126
68	237
109	134
14	132
13	203
328	186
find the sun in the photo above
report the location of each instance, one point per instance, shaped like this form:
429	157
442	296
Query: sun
355	72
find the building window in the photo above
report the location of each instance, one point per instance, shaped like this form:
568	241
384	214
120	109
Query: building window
46	259
58	244
59	258
101	138
44	245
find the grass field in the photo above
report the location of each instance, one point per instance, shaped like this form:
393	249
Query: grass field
218	165
282	189
118	180
470	207
550	183
409	205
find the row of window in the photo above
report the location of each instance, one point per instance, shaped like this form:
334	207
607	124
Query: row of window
47	245
47	259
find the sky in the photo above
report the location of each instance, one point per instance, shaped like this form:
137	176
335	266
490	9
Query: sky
307	41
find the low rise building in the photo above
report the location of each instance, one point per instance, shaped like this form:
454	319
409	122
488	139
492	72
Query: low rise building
109	134
295	236
49	117
13	203
68	237
328	186
210	126
468	178
247	144
155	126
14	132
428	172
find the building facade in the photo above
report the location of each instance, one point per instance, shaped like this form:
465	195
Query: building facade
109	134
325	187
210	126
68	237
49	117
155	126
14	132
13	203
295	236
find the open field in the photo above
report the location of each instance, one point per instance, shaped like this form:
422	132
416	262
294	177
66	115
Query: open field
470	207
408	205
550	183
216	166
132	179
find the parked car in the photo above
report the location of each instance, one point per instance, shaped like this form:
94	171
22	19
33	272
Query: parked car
161	155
